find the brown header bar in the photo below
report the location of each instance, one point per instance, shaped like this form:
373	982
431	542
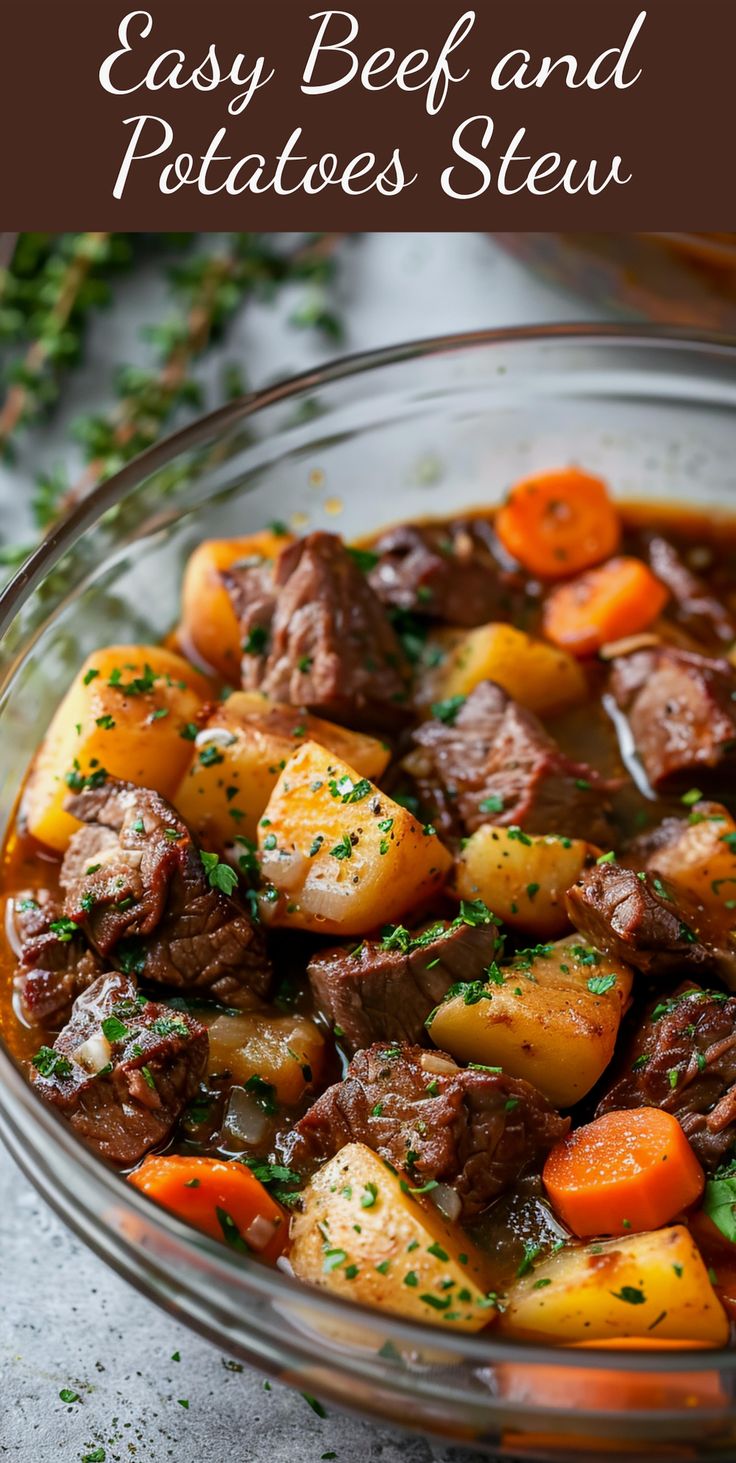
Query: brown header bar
519	114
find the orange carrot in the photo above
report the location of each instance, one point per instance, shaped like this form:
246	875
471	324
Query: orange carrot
559	523
625	1171
619	598
224	1200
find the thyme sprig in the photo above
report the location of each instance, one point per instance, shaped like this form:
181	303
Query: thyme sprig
47	290
211	288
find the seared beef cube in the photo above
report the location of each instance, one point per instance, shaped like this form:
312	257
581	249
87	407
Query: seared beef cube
252	592
681	710
135	881
384	990
639	918
683	1059
696	608
493	762
446	571
123	1070
54	965
329	645
474	1131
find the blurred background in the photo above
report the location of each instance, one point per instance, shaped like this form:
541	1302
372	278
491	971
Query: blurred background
110	341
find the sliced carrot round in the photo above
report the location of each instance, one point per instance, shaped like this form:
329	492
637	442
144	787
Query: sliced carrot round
224	1200
625	1171
559	523
617	599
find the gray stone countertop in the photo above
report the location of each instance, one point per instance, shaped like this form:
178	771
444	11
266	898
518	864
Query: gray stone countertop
66	1321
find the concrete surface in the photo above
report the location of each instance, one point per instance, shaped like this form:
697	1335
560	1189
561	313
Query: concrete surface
65	1320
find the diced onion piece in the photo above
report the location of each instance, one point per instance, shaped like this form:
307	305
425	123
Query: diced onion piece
94	1053
244	1119
447	1200
259	1232
218	736
433	1062
628	645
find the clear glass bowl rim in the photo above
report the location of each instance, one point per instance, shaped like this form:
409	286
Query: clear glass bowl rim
232	1270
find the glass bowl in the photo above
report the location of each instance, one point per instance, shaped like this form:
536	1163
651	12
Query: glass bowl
678	279
416	430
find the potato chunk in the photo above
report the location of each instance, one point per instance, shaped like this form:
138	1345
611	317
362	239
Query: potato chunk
522	878
552	1018
124	714
652	1285
536	674
340	856
364	1235
699	856
240	753
288	1052
209	627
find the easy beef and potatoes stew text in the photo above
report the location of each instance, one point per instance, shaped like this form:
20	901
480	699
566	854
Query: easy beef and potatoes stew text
383	921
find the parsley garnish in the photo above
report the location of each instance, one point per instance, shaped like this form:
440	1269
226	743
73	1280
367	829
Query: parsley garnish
49	1063
448	709
219	875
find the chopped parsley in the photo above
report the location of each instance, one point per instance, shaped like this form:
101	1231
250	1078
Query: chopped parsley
230	1232
49	1063
599	984
138	686
219	875
448	709
257	641
348	791
210	755
631	1294
64	929
492	804
264	1093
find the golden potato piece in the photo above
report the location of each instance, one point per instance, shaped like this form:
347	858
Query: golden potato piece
340	856
522	877
552	1018
364	1235
209	627
288	1052
536	674
243	748
129	712
700	857
653	1284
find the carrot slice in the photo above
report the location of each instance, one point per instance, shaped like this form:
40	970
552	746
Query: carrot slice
625	1171
559	523
224	1200
617	599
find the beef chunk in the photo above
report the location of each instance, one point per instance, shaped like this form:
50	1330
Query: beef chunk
385	989
446	571
639	918
134	880
329	644
472	1130
683	1059
681	710
54	965
252	592
123	1069
695	607
493	762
